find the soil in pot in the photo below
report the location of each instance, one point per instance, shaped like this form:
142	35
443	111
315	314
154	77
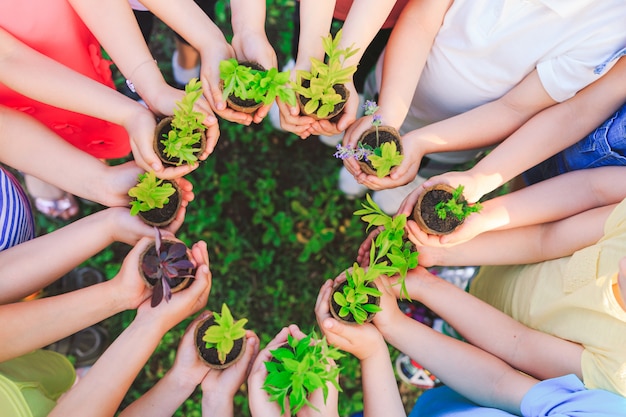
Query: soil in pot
161	131
425	215
247	105
209	356
385	134
339	88
161	217
178	284
334	307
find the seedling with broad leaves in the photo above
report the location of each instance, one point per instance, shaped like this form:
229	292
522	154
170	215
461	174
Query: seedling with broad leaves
298	369
224	332
149	193
170	263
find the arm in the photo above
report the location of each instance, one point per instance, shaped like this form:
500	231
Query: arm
177	384
546	134
87	306
414	31
130	53
472	372
482	126
30	147
380	391
101	391
219	387
315	21
536	353
250	40
554	199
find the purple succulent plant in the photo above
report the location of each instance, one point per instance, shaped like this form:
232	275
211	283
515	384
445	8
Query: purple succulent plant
170	263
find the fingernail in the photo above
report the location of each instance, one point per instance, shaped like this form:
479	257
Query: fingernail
156	166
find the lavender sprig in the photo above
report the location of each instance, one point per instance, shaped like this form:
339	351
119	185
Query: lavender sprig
345	152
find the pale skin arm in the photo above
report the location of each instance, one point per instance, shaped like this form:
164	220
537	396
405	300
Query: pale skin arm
100	392
538	354
363	22
550	200
475	373
190	22
60	251
30	147
219	387
130	53
87	306
482	126
414	31
546	134
315	21
380	393
187	373
250	40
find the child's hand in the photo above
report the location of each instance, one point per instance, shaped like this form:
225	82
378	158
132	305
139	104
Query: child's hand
292	121
471	185
388	303
118	180
361	341
260	404
162	100
363	255
183	303
220	386
188	367
131	287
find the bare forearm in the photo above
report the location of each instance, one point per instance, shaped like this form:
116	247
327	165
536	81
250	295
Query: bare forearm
188	20
471	372
45	259
316	17
380	391
534	352
53	318
555	199
101	391
555	129
363	22
163	399
405	56
41	78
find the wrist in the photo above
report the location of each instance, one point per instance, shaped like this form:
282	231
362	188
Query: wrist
185	381
216	405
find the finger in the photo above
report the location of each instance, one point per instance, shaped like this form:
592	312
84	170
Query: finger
320	295
212	136
261	113
176	172
145	157
178	221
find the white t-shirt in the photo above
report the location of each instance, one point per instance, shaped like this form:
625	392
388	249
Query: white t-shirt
486	47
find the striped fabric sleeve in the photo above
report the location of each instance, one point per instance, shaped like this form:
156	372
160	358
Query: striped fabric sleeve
16	216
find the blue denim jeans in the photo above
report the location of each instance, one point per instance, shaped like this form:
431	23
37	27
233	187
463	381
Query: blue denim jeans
605	146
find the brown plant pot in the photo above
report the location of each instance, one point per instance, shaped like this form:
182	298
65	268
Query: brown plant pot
425	215
161	131
248	106
349	319
385	134
160	217
339	88
179	283
209	356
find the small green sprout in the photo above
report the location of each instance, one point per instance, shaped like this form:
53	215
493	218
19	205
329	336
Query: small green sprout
223	334
456	206
149	193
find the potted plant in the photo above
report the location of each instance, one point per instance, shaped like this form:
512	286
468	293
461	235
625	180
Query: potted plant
356	299
390	247
247	86
166	267
320	92
298	368
378	149
155	200
440	209
178	139
220	339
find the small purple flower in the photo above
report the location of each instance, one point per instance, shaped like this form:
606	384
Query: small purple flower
377	120
344	152
370	107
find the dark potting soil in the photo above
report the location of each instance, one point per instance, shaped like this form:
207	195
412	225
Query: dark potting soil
429	215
